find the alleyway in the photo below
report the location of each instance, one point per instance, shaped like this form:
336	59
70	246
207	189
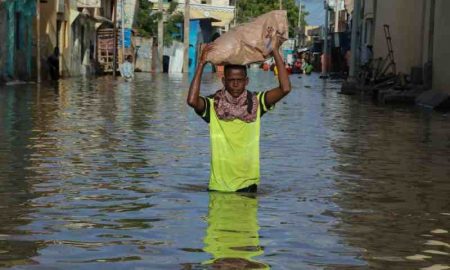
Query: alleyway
113	175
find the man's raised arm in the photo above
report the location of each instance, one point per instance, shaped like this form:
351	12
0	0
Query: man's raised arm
193	99
276	94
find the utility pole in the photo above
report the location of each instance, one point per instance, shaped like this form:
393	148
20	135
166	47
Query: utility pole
114	39
336	16
235	12
160	36
281	4
354	42
325	55
299	23
186	36
38	40
122	15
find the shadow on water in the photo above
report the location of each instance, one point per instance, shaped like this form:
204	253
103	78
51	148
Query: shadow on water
99	173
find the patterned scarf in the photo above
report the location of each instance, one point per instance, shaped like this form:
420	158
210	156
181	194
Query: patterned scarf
228	108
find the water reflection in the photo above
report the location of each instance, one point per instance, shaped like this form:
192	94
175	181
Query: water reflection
15	189
232	235
100	174
394	191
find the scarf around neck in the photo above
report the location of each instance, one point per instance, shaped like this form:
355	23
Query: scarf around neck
228	108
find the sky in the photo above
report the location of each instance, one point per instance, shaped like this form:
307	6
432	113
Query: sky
316	11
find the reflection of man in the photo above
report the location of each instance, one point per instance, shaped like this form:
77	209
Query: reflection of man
232	235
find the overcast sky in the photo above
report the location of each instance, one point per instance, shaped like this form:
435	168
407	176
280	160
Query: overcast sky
316	11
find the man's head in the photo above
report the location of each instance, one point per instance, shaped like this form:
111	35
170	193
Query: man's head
235	79
129	58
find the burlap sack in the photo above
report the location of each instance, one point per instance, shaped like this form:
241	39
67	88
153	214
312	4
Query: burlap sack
249	42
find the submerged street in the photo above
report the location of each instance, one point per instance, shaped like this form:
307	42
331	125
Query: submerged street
105	174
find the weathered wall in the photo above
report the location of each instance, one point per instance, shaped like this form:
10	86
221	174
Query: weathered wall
2	37
48	28
65	40
143	53
48	40
83	42
441	50
18	38
404	19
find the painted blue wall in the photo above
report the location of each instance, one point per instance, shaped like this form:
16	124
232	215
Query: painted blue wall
19	47
200	31
194	28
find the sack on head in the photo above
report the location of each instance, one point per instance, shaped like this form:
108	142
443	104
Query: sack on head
250	42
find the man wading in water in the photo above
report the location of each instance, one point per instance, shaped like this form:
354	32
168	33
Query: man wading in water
233	114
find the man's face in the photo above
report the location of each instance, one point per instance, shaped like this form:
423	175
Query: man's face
235	81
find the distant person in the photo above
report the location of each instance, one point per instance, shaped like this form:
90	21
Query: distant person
127	69
53	64
234	114
307	67
297	66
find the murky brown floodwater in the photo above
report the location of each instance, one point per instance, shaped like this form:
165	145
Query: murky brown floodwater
102	174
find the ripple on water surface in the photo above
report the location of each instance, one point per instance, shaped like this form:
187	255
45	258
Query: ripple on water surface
99	173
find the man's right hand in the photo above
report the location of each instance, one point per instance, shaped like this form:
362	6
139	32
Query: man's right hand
193	99
206	49
277	41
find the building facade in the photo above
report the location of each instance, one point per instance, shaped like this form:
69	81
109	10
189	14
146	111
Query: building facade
72	26
420	37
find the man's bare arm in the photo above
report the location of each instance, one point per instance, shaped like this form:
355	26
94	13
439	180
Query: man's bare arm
276	94
193	99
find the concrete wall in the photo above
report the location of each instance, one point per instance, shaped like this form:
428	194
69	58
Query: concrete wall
143	53
65	40
441	50
48	30
83	42
405	20
220	2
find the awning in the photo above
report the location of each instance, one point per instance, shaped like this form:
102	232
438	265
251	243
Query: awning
200	17
101	19
87	14
222	14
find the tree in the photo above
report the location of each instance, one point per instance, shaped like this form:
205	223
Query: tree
147	21
249	9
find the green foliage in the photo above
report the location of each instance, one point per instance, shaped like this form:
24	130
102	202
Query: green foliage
171	29
148	18
249	9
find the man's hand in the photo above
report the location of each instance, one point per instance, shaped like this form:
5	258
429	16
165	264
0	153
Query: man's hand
276	94
193	99
205	51
277	41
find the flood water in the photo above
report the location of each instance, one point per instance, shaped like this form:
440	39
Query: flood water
103	174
